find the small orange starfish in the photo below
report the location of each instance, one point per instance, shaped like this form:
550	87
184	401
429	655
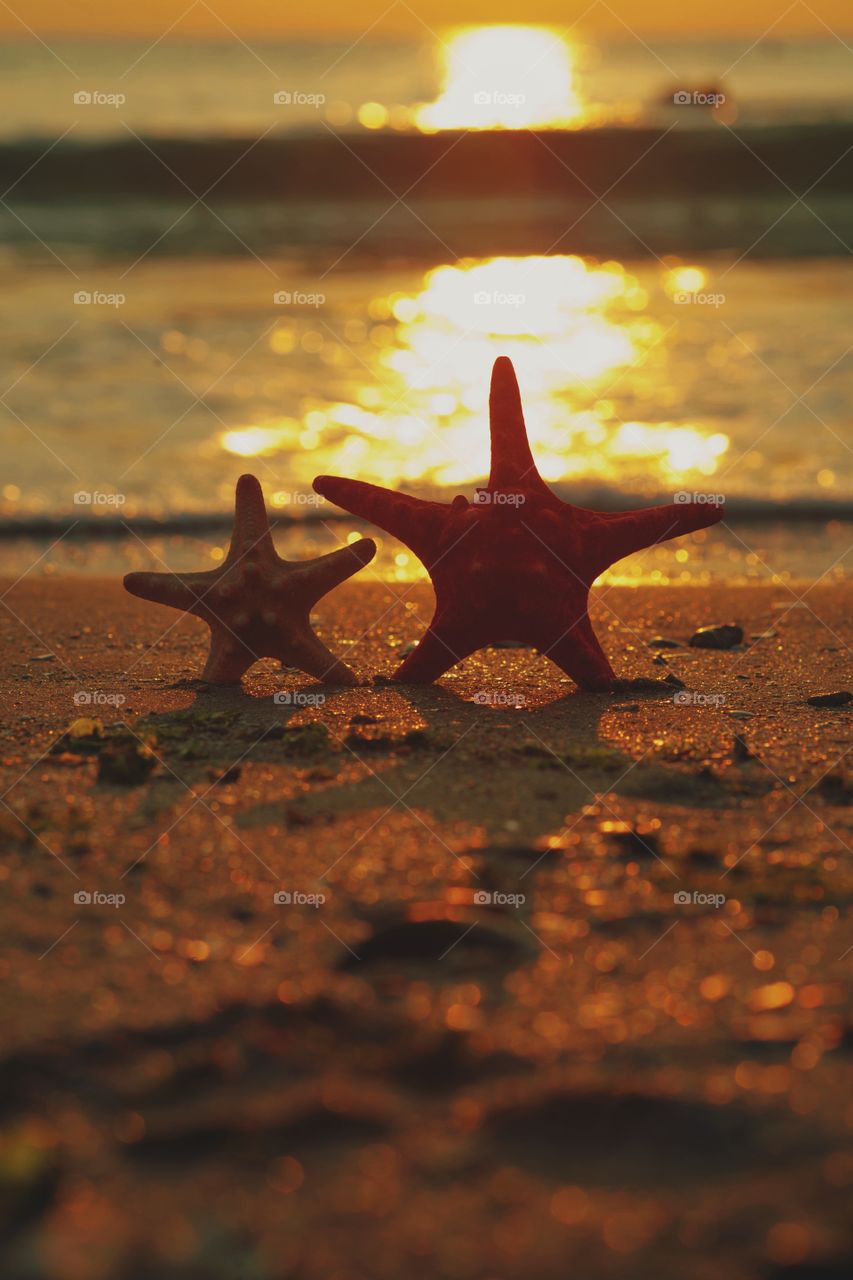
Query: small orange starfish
518	563
256	604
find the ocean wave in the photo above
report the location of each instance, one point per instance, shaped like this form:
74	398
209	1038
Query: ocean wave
800	510
607	191
690	163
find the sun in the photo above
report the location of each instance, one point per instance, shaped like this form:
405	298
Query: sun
505	77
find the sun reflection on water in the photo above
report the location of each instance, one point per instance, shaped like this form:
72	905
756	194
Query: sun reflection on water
412	382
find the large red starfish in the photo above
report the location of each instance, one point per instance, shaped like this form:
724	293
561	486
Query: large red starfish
517	563
256	604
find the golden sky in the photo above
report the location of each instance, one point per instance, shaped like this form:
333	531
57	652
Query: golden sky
343	17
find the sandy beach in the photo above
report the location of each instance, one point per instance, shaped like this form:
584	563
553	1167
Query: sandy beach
380	310
559	989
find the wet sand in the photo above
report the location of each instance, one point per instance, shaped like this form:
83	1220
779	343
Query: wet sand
485	1038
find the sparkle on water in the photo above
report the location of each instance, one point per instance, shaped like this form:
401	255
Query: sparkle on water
418	408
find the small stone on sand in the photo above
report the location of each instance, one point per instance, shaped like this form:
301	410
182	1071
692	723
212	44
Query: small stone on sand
725	636
840	699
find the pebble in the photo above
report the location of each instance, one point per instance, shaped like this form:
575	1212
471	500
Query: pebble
725	636
633	844
125	764
226	778
741	715
663	642
43	657
428	941
645	684
840	699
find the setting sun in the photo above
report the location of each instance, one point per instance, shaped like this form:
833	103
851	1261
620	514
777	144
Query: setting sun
506	77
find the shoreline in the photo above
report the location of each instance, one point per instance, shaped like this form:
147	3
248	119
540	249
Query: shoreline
749	511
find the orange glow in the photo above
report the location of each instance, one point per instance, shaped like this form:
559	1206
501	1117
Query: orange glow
257	18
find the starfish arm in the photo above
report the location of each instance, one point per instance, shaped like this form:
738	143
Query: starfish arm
228	659
307	651
415	522
251	525
440	648
512	462
314	578
178	591
624	533
579	654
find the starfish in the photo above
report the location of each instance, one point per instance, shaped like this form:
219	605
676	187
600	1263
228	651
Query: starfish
518	563
256	604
